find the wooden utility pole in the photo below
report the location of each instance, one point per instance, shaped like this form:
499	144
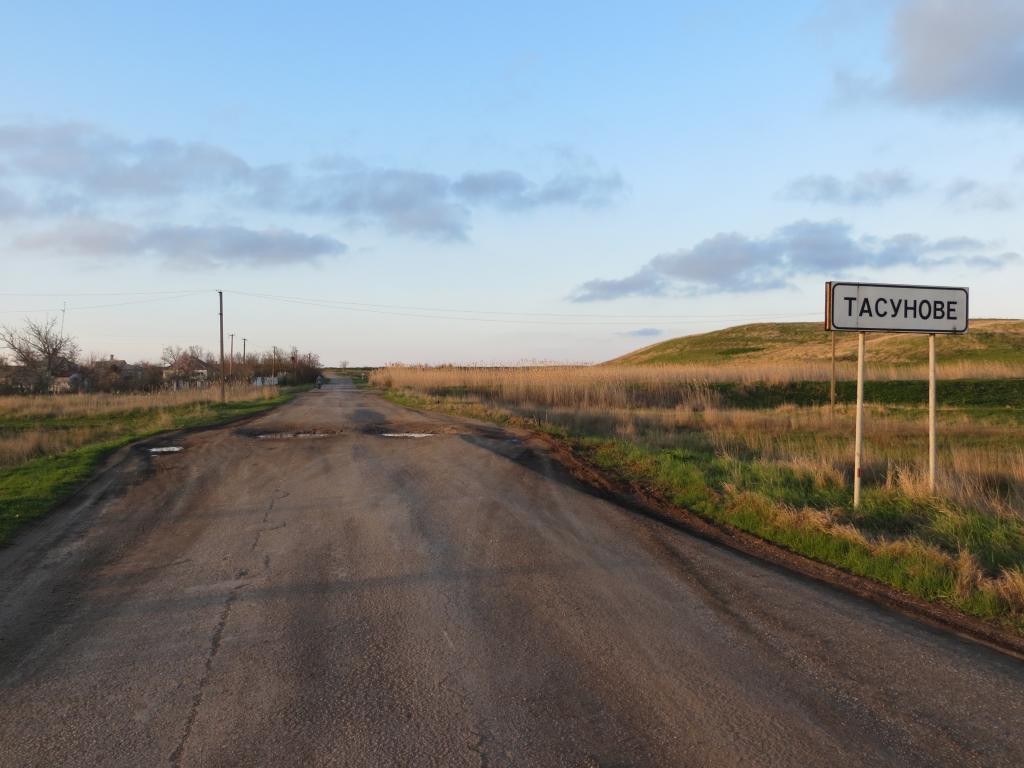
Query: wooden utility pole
243	351
858	450
932	421
223	396
231	356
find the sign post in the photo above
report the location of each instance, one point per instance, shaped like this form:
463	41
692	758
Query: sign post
858	441
880	307
931	413
832	386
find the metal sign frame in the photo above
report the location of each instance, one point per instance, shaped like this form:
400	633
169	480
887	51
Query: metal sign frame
830	288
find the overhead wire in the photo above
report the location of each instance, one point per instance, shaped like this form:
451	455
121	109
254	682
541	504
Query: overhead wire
420	312
506	320
65	294
608	319
183	295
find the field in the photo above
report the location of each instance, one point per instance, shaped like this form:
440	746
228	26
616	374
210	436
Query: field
998	344
757	446
49	444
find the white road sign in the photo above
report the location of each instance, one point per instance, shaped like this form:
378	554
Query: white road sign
895	308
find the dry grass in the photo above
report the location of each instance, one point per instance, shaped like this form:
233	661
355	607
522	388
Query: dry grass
1009	587
658	384
44	425
981	462
49	406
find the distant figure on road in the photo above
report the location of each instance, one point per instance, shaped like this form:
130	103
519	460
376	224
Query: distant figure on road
319	381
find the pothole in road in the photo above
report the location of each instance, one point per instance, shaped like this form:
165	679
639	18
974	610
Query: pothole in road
411	431
307	435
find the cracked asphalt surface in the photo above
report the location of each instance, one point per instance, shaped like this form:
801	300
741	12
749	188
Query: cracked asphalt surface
455	600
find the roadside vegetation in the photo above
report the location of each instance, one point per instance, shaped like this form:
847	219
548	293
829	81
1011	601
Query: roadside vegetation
757	447
50	445
61	415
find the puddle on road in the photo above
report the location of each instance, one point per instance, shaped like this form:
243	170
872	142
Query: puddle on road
167	449
407	434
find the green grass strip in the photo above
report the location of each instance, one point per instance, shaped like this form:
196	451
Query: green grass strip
30	490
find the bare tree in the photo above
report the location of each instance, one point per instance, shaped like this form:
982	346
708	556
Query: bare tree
42	348
172	356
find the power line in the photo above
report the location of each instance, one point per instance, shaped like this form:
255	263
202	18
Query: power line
428	313
512	321
525	314
391	309
142	301
403	310
109	293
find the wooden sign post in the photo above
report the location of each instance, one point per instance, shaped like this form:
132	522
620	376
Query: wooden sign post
884	308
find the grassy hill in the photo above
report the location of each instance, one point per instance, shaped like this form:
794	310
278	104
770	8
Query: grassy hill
998	341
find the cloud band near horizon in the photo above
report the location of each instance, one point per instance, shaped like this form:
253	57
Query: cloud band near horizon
730	262
79	169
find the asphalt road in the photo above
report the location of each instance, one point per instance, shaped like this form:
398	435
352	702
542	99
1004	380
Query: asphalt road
455	600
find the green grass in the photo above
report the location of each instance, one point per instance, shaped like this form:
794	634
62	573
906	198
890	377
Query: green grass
908	543
988	341
985	393
30	490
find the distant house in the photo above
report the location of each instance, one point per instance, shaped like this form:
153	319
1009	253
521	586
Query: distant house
189	369
115	374
17	378
26	379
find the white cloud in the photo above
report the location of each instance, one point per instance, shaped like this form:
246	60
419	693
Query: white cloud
870	188
182	246
76	162
733	263
963	53
968	193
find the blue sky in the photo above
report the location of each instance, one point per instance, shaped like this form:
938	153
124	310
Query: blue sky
472	183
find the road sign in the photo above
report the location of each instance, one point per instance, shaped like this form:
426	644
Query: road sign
895	308
867	307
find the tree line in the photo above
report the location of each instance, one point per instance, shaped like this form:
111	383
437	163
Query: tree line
40	357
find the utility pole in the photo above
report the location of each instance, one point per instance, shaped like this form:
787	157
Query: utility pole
63	312
231	357
243	351
223	397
